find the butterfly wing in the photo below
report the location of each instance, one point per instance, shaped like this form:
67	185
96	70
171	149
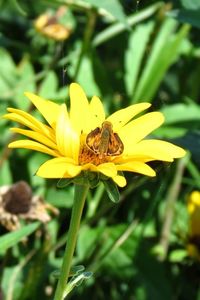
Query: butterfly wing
115	146
93	140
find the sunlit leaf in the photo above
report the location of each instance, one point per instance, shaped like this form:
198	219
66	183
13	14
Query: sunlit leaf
135	53
181	113
161	57
178	255
191	4
12	238
113	7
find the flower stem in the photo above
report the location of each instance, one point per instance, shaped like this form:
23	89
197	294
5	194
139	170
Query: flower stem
80	194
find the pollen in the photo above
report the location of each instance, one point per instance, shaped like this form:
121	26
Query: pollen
86	155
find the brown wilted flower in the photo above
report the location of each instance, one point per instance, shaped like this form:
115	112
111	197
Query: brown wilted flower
18	203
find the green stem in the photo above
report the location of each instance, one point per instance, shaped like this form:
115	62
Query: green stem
89	29
119	27
80	194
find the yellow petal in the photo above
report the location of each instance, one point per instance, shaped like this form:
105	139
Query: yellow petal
67	139
108	169
156	150
28	144
29	121
137	167
97	112
119	180
193	201
22	120
193	207
139	128
35	136
60	167
48	109
123	116
79	109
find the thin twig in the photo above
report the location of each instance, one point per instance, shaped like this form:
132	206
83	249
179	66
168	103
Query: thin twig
171	199
116	244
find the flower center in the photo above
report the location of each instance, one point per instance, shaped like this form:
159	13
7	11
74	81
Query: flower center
88	156
99	145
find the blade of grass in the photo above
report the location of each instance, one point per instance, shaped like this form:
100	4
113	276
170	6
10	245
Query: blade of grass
162	56
135	53
194	172
171	198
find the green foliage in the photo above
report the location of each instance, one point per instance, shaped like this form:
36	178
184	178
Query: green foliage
189	13
125	52
10	239
112	7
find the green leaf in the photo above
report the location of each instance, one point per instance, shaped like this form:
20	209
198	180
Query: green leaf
7	65
7	73
62	198
178	255
15	80
134	54
170	132
191	142
112	190
49	86
25	82
5	174
191	4
19	7
113	30
162	56
187	16
12	238
181	113
85	76
113	7
87	241
193	169
152	274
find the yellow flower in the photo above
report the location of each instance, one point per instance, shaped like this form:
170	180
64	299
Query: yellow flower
193	207
83	139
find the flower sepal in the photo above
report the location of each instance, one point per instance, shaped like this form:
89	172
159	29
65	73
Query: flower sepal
111	189
84	178
93	179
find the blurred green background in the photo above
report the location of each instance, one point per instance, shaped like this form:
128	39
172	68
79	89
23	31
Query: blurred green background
125	52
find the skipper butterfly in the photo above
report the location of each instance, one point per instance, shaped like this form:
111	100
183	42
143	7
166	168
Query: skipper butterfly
104	142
